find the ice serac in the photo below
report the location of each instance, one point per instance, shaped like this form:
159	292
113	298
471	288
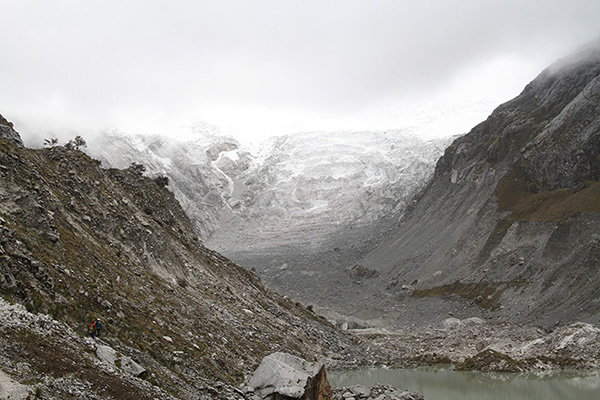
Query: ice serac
302	210
509	225
205	172
325	199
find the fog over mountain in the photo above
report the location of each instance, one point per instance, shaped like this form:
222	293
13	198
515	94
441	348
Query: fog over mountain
267	68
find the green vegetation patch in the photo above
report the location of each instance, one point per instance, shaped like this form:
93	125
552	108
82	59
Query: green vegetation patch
493	361
484	294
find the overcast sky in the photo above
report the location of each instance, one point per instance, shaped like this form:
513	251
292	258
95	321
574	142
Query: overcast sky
272	66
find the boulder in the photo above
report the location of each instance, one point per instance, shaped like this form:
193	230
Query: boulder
289	376
126	364
451	323
11	389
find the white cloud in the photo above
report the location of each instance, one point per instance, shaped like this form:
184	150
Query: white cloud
266	66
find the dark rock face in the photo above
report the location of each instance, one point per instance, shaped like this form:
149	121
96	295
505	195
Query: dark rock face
7	131
317	387
509	225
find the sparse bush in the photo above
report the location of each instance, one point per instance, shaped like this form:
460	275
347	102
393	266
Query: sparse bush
137	168
50	142
77	143
162	181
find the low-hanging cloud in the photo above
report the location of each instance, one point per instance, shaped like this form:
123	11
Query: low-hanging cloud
157	63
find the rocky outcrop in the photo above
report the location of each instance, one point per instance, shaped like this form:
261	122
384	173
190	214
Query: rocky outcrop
377	392
7	131
288	376
508	226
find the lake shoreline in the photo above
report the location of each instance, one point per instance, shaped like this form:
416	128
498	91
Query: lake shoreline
475	345
437	383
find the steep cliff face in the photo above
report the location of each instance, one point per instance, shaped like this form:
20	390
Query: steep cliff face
79	242
509	225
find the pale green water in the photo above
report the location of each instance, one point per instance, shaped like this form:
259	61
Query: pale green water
445	384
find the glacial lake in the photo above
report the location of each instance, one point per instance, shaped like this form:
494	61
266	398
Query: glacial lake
446	384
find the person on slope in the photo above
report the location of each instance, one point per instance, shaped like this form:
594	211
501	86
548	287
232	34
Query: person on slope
98	325
92	330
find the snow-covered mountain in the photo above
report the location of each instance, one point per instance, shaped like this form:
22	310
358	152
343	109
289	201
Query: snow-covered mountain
203	170
301	210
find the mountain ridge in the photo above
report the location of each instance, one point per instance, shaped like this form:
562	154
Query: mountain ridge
488	230
79	242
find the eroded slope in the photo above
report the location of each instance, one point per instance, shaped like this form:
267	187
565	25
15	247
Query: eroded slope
78	242
509	227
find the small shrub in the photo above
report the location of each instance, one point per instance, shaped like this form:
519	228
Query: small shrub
50	142
162	181
76	144
137	168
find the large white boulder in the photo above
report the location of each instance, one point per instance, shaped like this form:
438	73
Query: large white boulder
284	374
115	359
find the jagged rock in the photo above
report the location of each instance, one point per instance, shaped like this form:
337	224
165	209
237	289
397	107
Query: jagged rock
317	387
7	131
112	357
290	376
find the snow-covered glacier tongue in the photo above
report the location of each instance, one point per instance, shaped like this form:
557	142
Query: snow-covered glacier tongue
316	202
301	210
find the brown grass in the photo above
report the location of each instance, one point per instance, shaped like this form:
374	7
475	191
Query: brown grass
515	195
485	294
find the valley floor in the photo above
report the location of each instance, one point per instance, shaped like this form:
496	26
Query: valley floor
475	344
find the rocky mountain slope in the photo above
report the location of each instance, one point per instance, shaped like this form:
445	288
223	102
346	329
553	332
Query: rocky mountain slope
205	172
509	226
79	242
301	211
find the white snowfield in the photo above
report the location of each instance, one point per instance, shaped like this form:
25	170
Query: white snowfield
291	188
